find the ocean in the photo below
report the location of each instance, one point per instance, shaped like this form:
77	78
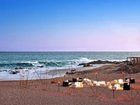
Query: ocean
52	62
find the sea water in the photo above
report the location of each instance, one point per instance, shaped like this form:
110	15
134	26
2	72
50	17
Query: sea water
52	63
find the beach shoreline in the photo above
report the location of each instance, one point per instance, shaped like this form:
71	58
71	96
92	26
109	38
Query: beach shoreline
41	73
51	91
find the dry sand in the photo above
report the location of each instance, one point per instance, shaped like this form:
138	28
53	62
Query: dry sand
48	92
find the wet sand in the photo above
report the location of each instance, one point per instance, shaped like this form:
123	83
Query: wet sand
49	92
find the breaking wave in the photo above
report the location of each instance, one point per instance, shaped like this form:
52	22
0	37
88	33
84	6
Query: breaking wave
47	63
61	63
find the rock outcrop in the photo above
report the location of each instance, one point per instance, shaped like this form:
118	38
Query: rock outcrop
101	62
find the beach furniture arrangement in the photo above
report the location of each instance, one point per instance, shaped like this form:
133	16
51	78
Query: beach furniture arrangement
130	80
75	82
67	83
118	84
121	84
126	86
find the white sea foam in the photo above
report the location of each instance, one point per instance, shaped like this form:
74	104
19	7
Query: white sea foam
117	60
39	73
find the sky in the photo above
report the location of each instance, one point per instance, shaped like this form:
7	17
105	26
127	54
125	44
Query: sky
69	25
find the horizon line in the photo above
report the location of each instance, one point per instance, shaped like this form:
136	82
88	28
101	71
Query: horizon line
74	51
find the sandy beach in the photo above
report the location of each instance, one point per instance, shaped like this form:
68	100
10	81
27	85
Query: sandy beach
49	92
69	52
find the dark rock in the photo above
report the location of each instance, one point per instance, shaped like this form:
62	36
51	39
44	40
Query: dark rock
100	62
14	72
40	66
85	64
73	71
